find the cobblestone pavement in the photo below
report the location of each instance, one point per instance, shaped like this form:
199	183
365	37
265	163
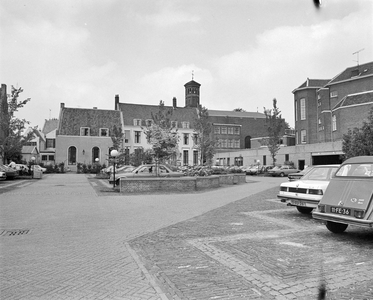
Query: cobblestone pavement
72	237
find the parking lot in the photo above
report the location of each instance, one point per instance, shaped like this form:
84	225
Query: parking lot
72	237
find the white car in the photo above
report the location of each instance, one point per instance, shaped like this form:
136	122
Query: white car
38	168
306	193
2	175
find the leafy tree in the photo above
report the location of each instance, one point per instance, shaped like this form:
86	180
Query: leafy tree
275	126
13	128
160	134
117	137
203	136
359	141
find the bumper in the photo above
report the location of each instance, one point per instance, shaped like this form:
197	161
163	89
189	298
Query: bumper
293	201
342	219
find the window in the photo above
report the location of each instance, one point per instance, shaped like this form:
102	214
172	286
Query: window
174	124
127	135
230	130
185	157
51	157
149	122
334	122
230	143
195	157
104	132
137	137
303	136
44	157
296	110
302	109
236	143
51	143
286	157
186	138
71	155
237	130
185	124
224	143
217	130
319	121
195	138
333	94
84	131
95	154
224	130
137	122
318	102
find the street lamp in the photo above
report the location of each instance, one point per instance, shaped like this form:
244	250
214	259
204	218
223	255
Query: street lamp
97	160
31	167
114	153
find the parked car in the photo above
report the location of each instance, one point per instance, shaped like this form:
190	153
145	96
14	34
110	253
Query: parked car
38	168
9	172
282	170
348	200
299	175
2	175
148	170
306	193
254	170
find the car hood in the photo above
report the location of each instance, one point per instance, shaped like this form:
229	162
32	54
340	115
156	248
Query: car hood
307	184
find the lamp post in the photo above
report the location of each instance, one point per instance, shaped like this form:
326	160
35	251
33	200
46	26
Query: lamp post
258	161
114	153
31	167
96	161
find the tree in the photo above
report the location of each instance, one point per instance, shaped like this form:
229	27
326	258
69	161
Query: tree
203	136
239	109
117	137
161	135
359	141
13	140
275	126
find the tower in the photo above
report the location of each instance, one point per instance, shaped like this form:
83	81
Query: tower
192	94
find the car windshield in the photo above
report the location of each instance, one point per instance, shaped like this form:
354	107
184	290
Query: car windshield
276	168
356	170
322	173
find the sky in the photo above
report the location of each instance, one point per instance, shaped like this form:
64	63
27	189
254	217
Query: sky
244	53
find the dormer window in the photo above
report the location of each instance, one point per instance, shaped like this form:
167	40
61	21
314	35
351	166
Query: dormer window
185	124
333	94
104	132
354	73
136	122
149	122
85	131
173	124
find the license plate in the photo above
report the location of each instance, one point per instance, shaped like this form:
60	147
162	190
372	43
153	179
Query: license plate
298	203
340	210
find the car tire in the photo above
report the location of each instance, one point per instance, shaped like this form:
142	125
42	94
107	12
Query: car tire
282	174
304	210
336	227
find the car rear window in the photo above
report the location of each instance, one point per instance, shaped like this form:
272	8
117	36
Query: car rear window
355	170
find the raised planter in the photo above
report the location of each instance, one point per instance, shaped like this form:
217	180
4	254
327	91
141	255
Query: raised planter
182	184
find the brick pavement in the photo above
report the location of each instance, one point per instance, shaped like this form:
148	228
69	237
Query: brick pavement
82	241
61	238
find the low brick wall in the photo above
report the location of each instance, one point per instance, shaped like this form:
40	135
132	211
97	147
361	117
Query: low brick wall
182	184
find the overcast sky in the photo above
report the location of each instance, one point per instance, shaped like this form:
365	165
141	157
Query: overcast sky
244	53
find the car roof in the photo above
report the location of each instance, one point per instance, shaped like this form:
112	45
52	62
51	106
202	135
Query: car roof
323	166
359	159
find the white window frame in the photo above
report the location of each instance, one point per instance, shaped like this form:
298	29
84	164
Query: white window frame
137	141
230	130
105	129
136	122
148	122
173	124
82	130
186	138
236	130
223	130
236	143
334	122
217	130
333	94
303	136
185	125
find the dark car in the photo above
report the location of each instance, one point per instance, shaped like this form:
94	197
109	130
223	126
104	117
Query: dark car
299	175
348	200
282	170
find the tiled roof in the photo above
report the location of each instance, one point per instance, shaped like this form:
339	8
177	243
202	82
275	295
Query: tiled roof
141	111
72	119
237	114
50	125
354	99
29	149
313	83
353	72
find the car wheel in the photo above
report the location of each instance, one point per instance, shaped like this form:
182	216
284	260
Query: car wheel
336	227
304	210
282	174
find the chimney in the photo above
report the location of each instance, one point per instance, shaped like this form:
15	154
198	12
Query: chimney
174	102
116	101
95	107
62	105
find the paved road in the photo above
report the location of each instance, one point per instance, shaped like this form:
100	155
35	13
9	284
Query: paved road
71	237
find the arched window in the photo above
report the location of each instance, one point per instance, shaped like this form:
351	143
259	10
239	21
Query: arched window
95	154
248	142
71	155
